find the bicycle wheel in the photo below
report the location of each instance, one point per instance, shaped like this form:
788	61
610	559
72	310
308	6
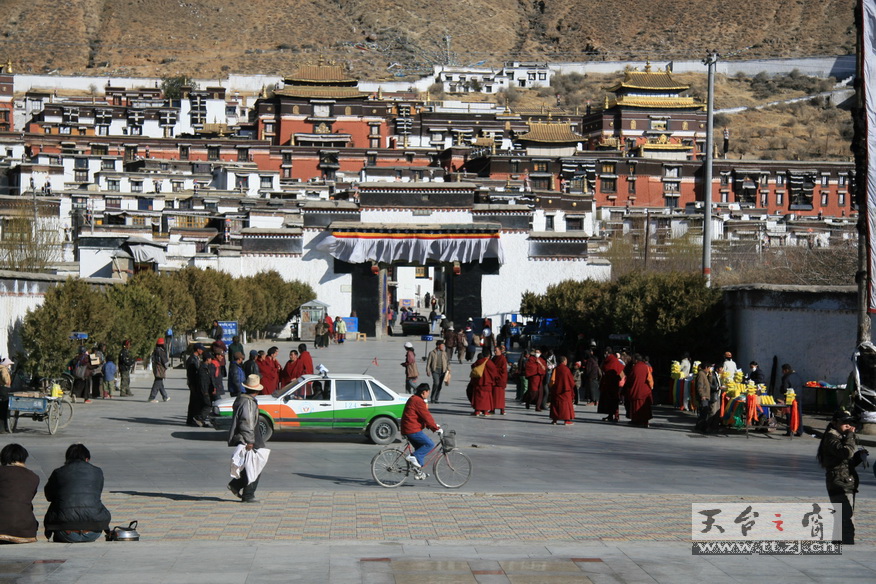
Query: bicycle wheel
53	416
389	467
66	411
453	469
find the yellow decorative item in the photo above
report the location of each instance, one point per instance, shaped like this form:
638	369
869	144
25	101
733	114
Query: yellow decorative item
57	391
675	370
790	396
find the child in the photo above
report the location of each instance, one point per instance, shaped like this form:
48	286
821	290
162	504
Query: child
109	377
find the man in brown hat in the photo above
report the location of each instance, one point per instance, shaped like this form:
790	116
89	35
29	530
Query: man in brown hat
245	431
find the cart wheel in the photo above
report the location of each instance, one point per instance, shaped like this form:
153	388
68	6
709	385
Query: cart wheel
53	417
66	412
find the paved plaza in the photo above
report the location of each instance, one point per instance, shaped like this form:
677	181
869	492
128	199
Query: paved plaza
591	502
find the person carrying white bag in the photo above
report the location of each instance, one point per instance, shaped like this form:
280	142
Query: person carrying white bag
250	455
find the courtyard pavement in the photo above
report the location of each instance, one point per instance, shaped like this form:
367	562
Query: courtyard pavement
588	503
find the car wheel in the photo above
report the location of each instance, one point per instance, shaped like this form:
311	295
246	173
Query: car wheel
266	428
382	431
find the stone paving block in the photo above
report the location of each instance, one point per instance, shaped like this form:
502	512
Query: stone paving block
541	566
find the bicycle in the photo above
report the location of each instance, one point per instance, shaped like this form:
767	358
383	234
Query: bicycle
452	469
65	400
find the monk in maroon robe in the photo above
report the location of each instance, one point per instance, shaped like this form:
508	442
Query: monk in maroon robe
501	364
306	360
609	386
270	370
289	371
563	394
637	392
535	369
482	387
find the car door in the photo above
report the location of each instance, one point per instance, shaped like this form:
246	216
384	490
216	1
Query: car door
307	406
353	403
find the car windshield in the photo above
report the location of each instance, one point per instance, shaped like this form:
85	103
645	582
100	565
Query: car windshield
320	389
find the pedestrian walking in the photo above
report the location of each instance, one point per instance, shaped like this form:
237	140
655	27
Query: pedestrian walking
159	371
109	378
246	432
410	365
437	366
126	365
193	382
838	454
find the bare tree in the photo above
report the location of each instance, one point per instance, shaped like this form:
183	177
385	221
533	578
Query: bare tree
26	246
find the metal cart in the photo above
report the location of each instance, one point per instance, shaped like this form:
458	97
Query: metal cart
55	411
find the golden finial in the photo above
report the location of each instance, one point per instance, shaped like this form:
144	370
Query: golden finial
605	104
9	66
648	66
380	93
550	115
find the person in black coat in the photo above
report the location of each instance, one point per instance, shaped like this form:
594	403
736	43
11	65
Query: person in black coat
193	382
76	513
18	486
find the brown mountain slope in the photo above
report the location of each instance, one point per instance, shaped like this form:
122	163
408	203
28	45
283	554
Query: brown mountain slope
383	37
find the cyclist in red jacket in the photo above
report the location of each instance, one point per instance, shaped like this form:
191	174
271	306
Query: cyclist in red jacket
415	419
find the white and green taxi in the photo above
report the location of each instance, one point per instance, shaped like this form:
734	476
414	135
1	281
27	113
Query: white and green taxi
326	403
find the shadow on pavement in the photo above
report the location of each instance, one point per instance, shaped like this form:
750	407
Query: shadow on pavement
148	421
338	480
171	496
202	435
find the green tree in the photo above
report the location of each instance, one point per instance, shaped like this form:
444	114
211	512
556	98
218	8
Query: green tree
172	86
139	315
177	303
72	306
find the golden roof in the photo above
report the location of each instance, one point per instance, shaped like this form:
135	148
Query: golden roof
677	102
649	80
321	92
546	132
321	74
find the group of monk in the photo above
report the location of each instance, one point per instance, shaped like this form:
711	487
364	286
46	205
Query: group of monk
487	383
630	381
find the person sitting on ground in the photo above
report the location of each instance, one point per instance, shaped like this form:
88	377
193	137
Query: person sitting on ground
76	513
18	486
415	419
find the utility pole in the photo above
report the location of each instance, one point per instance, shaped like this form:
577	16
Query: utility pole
710	62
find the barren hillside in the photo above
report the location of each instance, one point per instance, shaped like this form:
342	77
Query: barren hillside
383	38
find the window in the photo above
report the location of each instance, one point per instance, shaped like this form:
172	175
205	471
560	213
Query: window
243	154
374	143
841	199
351	390
824	198
136	186
183	152
266	182
241	182
286	172
780	180
212	153
671	187
609	185
380	394
80	175
548	222
631	185
780	198
176	186
841	180
514	166
107	164
531	75
540	184
287	158
764	179
542	76
725	179
825	180
671	171
370	160
99	149
608	167
64	130
437	137
113	185
103	130
670	202
322	110
80	163
269	127
574	223
658	125
113	203
539	166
